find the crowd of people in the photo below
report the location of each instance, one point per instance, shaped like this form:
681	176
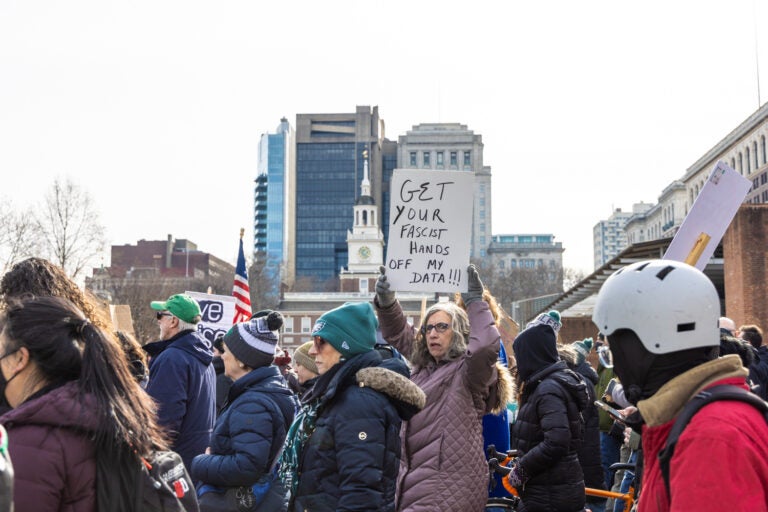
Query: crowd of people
377	414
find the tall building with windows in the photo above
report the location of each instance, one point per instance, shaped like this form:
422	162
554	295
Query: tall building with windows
273	203
453	147
609	237
329	172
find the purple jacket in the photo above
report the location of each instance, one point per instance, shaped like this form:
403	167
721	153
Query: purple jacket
55	467
443	466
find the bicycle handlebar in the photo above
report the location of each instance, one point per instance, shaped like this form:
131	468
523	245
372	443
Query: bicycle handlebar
493	463
503	457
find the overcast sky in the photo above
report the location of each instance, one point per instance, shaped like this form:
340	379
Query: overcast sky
156	107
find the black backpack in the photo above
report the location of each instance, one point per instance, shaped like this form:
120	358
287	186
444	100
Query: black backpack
713	394
165	484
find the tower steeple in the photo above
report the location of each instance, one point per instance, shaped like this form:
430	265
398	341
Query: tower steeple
365	243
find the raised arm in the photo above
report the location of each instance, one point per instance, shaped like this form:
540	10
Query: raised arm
394	326
484	337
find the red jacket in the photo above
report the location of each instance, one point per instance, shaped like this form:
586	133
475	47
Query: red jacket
720	462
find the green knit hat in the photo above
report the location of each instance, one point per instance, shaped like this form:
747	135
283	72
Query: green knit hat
582	349
350	328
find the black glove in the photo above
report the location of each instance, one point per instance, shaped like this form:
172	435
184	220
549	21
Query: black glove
384	295
474	287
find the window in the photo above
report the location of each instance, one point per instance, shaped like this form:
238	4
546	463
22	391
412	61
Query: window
741	167
288	324
306	324
413	159
764	178
439	160
754	150
425	159
749	163
467	155
762	143
733	163
454	161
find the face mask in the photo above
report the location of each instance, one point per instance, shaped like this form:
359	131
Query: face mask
4	405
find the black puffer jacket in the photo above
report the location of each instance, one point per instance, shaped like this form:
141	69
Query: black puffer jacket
589	453
351	459
549	431
758	372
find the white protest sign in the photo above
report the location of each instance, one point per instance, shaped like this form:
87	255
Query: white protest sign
430	227
217	313
711	213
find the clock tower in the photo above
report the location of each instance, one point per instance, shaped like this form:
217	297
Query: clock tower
365	243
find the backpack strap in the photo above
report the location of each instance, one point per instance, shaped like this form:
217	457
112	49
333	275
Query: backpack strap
707	396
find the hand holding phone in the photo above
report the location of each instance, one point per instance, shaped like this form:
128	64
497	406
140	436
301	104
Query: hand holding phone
610	410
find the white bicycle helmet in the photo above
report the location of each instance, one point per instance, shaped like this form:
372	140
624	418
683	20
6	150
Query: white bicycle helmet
670	305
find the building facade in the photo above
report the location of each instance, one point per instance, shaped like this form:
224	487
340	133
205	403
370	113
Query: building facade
744	149
453	147
610	237
329	172
526	251
273	215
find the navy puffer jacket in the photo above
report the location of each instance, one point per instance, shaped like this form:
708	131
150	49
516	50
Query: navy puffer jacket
351	459
250	430
549	431
182	381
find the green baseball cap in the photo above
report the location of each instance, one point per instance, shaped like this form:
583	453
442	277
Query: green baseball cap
181	306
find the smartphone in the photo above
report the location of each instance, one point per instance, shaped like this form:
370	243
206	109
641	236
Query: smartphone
610	410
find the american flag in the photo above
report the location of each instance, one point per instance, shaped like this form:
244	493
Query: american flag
240	290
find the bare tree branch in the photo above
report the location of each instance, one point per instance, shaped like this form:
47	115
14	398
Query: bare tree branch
69	226
19	237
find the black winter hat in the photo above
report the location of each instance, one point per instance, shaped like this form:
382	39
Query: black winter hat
253	342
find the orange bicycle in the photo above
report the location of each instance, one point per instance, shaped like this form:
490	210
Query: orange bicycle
499	463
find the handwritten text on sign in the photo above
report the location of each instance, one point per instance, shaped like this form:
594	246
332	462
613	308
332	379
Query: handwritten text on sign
429	230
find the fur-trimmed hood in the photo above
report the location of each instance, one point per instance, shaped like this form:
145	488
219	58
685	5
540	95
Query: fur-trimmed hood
503	391
407	397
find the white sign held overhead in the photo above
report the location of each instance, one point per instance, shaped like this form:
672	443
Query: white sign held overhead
711	214
429	230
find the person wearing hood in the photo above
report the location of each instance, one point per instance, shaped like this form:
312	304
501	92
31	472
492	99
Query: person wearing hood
454	356
343	450
182	379
550	426
251	428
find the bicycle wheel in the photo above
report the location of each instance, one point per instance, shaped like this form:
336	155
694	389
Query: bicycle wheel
501	504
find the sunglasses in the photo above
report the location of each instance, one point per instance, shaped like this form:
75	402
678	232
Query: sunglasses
440	327
160	315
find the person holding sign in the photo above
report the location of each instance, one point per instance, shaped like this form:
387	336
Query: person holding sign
454	358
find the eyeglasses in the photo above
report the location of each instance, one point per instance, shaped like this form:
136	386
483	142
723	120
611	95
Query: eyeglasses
160	315
439	327
319	343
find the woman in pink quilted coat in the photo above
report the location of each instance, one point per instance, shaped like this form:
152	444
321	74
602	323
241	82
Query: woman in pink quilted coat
454	356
